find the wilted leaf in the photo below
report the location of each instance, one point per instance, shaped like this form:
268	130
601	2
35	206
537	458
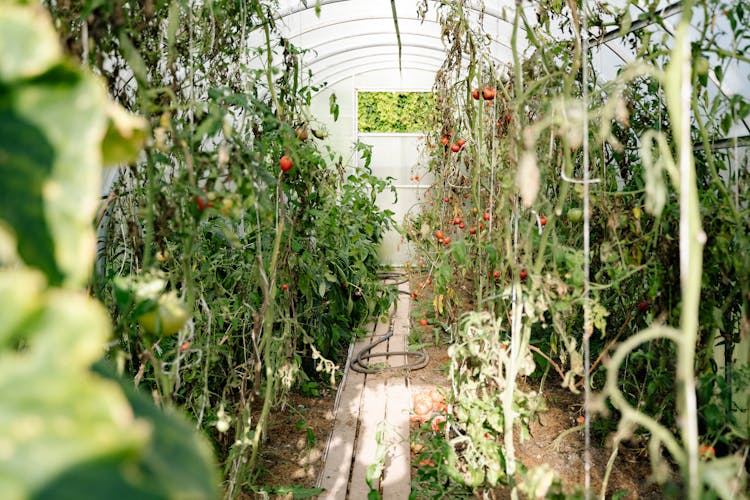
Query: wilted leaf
528	178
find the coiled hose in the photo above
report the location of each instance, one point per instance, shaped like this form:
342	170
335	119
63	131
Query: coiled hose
358	361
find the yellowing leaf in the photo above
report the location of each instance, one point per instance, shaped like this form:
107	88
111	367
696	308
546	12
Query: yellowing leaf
527	178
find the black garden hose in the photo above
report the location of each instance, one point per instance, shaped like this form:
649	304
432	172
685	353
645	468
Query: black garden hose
358	361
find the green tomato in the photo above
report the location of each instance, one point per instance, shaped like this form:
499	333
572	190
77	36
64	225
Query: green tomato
575	214
169	315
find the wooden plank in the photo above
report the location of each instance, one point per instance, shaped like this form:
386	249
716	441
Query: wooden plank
370	417
396	480
334	477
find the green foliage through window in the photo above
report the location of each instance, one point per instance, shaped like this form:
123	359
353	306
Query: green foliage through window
394	111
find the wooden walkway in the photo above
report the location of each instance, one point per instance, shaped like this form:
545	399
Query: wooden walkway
372	422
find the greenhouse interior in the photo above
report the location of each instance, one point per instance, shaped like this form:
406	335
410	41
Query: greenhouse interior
405	249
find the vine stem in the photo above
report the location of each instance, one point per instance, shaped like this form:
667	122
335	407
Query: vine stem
268	319
517	309
269	62
692	239
587	327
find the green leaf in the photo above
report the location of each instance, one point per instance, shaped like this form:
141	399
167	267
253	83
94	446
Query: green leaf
135	61
68	110
177	462
26	161
28	44
64	416
126	134
19	291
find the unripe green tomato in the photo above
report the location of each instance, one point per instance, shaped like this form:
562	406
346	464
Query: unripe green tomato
169	315
701	66
575	214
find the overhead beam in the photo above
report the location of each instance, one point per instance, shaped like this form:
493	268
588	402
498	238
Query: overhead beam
668	11
742	141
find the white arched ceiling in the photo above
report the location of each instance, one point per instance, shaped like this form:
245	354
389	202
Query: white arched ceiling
347	30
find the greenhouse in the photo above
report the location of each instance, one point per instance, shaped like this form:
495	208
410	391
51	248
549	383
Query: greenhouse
349	249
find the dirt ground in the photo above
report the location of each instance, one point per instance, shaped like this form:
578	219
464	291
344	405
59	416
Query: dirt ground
300	432
298	437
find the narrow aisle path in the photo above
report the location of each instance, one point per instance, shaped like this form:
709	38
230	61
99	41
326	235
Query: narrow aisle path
372	420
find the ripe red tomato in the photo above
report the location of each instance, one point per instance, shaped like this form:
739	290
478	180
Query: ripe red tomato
447	240
445	140
416	177
455	147
423	322
486	216
447	199
473	230
543	220
462	226
496	274
285	163
488	93
461	142
285	287
475	94
456	220
202	203
439	234
643	306
523	274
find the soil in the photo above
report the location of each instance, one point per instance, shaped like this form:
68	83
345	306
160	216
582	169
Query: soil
298	436
300	431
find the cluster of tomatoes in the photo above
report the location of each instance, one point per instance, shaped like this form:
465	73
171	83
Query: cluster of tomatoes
429	405
456	146
488	93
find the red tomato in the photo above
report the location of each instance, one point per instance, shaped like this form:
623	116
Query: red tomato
643	306
457	220
486	216
445	140
439	234
523	274
447	240
475	94
285	287
473	230
543	220
202	203
455	147
447	199
461	142
496	274
462	226
423	322
435	424
488	93
285	163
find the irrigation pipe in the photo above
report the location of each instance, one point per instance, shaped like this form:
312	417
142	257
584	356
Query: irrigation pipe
359	362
